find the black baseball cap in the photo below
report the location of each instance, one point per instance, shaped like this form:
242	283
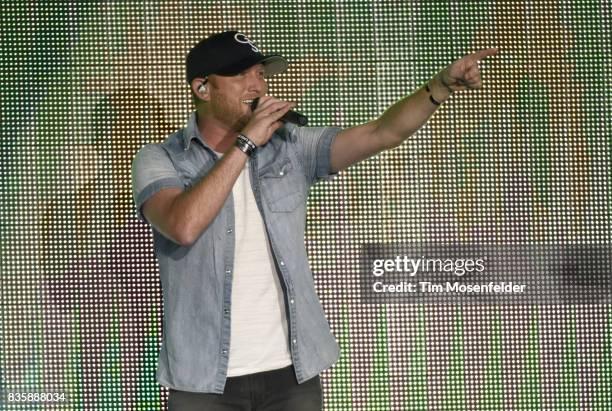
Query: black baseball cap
227	54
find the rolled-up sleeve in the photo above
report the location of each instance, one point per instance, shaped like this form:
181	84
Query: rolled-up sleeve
315	150
152	171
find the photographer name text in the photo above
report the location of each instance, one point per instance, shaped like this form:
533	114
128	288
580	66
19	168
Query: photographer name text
448	287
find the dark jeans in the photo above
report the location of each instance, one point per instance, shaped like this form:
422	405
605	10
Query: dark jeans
276	390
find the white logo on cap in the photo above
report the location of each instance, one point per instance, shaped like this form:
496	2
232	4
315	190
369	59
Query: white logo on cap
241	38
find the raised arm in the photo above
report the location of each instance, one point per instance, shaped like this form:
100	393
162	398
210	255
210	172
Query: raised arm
405	117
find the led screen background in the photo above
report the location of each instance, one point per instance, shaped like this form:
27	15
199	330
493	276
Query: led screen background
525	160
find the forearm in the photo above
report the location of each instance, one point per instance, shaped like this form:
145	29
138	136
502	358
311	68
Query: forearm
405	117
194	210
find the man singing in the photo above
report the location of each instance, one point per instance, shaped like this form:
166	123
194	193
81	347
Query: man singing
226	198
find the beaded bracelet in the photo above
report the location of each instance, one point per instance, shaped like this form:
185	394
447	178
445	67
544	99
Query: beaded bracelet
433	100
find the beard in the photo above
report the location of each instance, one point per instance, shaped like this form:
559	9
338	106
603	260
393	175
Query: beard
229	112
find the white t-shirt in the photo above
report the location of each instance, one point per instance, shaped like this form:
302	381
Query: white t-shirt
259	340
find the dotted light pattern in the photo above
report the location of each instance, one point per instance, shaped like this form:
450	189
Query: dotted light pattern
524	160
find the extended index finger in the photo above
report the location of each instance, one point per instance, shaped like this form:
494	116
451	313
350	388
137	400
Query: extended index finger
484	53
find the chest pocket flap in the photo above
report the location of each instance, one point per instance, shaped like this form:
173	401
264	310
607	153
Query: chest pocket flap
282	186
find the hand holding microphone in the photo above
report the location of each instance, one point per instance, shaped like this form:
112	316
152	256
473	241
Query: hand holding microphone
266	118
290	116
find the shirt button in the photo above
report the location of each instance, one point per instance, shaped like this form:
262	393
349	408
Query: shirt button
282	263
291	301
229	230
228	272
223	351
294	341
226	311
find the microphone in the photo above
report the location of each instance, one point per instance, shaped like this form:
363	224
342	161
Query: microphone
290	116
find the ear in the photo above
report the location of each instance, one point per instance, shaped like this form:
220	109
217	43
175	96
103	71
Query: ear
200	88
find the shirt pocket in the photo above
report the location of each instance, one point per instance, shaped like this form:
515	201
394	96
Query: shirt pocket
282	186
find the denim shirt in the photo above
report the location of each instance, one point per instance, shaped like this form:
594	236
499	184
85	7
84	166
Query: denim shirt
197	279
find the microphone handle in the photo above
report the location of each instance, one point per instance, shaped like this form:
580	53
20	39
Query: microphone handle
295	118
